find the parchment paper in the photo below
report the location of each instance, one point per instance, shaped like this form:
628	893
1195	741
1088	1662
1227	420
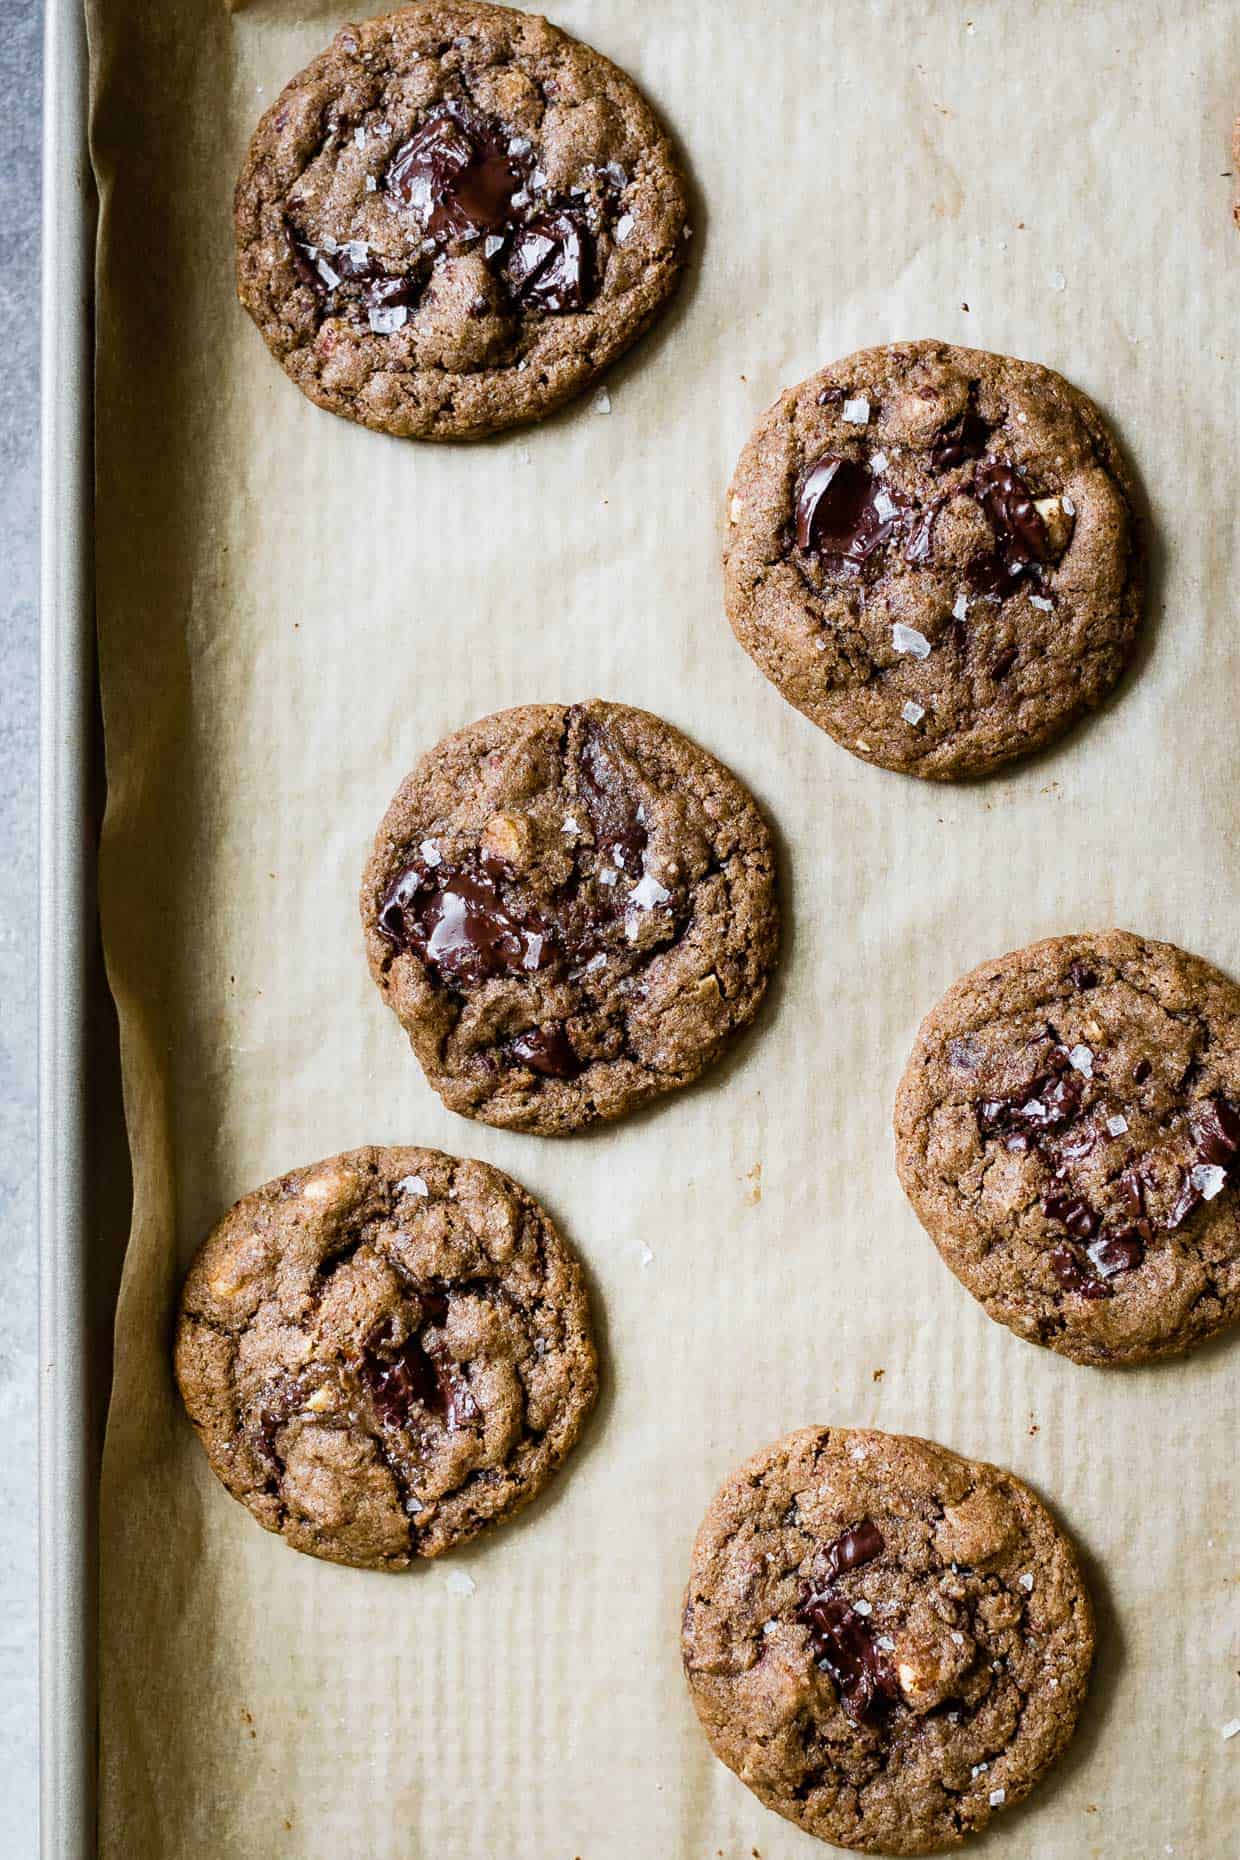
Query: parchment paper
292	609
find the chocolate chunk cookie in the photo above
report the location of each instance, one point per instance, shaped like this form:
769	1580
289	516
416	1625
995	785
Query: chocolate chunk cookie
385	1352
454	219
1068	1130
933	553
570	911
884	1641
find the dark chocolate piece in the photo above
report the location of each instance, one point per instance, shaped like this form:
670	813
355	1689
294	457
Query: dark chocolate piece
844	1645
549	264
456	919
547	1050
843	511
455	174
859	1544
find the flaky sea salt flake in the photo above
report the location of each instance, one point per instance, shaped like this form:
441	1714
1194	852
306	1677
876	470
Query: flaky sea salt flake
359	136
884	506
878	461
533	951
908	639
1081	1060
862	1607
1117	1125
412	1185
431	853
602	401
1040	601
1208	1179
624	226
458	1583
961	609
998	1797
648	892
1026	1582
912	713
857	412
1231	1729
491	245
386	322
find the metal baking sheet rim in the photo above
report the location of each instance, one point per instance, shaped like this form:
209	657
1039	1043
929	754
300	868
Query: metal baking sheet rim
68	1463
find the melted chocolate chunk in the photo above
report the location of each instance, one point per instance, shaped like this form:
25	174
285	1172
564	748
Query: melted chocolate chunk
1117	1252
1021	542
549	264
456	919
844	1644
281	1402
1072	1212
1053	1102
964	439
1073	1275
401	1380
1141	1071
615	815
455	174
303	264
859	1544
1216	1128
388	293
547	1050
843	511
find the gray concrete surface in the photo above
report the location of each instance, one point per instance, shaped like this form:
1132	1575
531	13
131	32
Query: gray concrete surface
20	83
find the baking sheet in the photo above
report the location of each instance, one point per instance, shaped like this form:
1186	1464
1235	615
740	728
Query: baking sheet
291	609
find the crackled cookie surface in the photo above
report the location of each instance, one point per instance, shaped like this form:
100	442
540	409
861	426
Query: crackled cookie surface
932	552
385	1352
887	1643
1068	1130
454	219
570	910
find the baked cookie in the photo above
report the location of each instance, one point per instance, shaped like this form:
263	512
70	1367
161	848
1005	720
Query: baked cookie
454	219
884	1641
570	911
933	553
1068	1130
385	1352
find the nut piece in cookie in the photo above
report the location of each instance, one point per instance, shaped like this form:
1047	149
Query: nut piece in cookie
1068	1132
454	219
863	1679
385	1353
571	910
933	553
